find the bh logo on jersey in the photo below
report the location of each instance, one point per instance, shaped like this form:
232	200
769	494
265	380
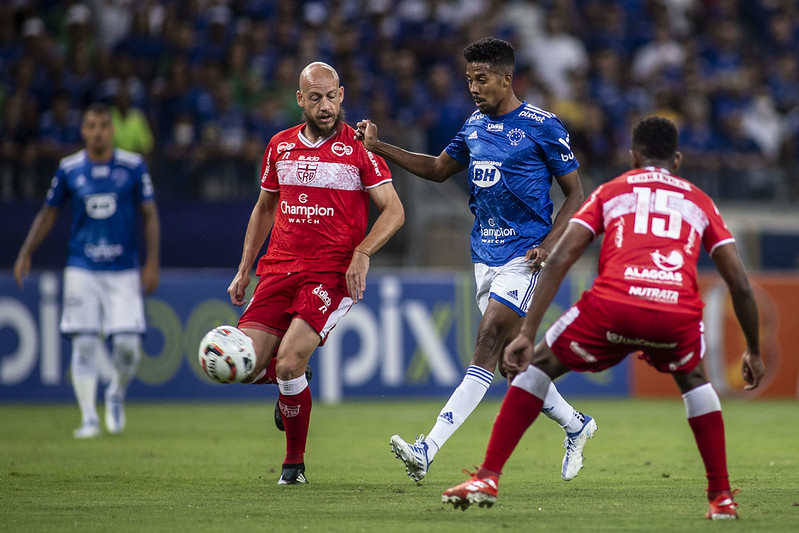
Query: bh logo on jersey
486	174
100	206
306	171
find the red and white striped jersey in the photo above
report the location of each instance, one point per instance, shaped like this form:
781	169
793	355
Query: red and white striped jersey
653	223
323	204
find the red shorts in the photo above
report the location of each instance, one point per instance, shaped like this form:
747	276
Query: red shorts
319	298
596	334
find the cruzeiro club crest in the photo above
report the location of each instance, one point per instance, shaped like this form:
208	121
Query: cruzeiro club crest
306	171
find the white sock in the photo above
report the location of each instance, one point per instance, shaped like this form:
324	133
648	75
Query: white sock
558	409
292	387
701	401
459	406
84	375
125	356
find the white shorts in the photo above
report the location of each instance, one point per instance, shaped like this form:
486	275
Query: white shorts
511	284
105	302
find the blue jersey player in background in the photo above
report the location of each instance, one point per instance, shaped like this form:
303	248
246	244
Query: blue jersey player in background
107	189
513	151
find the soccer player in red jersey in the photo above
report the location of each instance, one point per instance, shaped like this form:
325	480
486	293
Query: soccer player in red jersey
644	301
316	184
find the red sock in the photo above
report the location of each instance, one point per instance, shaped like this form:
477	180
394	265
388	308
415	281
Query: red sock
296	411
519	410
270	377
709	434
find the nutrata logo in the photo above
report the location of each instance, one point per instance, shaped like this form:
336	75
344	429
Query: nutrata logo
341	149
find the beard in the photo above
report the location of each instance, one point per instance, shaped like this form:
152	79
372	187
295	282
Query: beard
319	130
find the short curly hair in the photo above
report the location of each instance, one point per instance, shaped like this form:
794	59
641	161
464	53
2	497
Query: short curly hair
655	138
497	53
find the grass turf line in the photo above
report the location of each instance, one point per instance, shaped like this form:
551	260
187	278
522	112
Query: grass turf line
214	467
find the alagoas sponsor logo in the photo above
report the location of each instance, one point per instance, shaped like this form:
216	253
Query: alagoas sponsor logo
652	274
654	294
617	338
341	149
324	296
673	261
495	127
486	173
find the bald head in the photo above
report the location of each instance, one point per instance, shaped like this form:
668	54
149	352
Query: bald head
320	98
316	73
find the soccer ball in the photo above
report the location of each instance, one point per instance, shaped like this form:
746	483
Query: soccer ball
227	355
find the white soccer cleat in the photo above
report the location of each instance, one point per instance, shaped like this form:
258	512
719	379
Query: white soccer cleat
87	430
413	455
114	414
574	444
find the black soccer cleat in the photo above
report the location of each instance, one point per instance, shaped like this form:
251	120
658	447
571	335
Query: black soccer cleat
278	417
293	475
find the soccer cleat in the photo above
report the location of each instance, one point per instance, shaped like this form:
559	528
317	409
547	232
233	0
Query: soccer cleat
723	507
87	430
114	414
293	475
574	444
278	417
482	492
413	455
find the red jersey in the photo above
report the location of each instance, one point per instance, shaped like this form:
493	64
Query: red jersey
654	223
323	208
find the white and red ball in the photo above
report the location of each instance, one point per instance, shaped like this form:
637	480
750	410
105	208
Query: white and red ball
227	355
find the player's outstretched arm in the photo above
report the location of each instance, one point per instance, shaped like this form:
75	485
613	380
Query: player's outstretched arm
391	218
40	228
261	221
425	166
729	265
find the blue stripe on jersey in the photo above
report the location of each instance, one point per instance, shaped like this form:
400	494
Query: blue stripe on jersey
480	374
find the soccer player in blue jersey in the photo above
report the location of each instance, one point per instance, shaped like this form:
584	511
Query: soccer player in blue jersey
103	283
512	151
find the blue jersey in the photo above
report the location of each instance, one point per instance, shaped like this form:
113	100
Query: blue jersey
512	160
105	199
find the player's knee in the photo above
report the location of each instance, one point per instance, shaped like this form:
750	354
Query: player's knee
290	367
126	349
85	350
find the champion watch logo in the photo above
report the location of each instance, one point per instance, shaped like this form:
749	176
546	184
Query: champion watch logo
447	417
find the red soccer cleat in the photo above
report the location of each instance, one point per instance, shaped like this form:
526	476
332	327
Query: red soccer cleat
723	507
483	492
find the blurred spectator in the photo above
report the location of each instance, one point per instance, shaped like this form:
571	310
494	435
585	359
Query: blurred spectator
131	127
59	136
598	63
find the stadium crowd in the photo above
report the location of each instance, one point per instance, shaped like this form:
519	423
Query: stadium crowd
199	86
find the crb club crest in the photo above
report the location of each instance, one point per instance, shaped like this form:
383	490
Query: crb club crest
306	171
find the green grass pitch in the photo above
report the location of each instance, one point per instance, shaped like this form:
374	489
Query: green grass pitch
214	467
